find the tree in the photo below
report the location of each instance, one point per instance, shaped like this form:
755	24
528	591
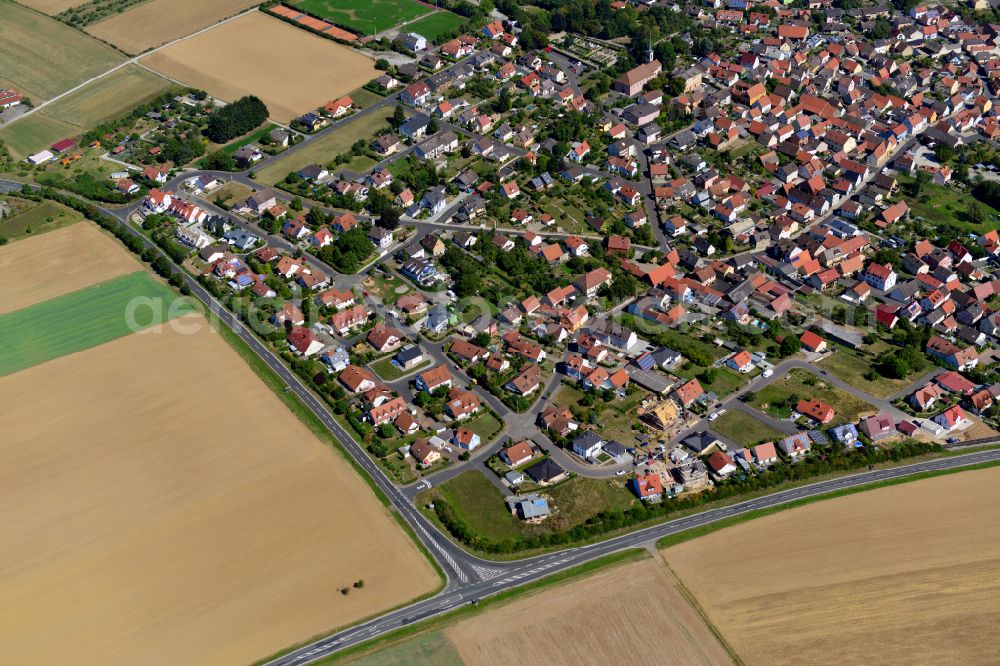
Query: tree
977	213
219	161
236	119
390	218
922	179
398	116
789	345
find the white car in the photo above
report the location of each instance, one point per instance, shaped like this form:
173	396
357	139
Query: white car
713	416
621	472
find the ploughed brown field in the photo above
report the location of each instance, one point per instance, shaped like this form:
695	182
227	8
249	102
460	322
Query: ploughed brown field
620	614
162	506
36	269
158	22
291	70
898	575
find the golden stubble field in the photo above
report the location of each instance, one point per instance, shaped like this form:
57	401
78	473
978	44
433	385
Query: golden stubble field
51	7
291	70
162	506
158	22
629	612
899	575
36	269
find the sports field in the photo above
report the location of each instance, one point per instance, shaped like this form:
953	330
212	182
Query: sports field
628	609
59	262
157	22
365	16
435	24
83	319
43	57
327	147
904	574
162	506
107	98
291	70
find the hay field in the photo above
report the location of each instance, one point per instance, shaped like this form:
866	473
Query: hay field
109	97
51	7
43	57
48	265
292	70
594	620
158	22
164	507
904	574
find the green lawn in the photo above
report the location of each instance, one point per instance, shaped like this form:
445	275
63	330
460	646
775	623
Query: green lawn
324	149
34	133
480	504
796	383
743	429
851	365
388	372
84	319
365	16
940	204
46	216
485	425
435	24
255	137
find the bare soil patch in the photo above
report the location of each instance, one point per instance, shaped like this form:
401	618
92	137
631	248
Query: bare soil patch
910	573
291	70
59	262
162	506
593	620
158	22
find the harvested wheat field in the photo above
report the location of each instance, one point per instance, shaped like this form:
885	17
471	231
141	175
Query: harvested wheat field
52	7
594	620
292	70
158	22
60	261
162	506
901	575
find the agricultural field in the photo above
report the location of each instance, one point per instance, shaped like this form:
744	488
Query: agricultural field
803	385
42	57
291	70
158	22
37	219
324	149
80	255
51	7
433	25
743	428
109	97
83	319
910	573
589	620
106	98
365	16
169	535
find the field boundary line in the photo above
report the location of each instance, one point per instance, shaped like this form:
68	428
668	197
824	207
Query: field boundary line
132	60
695	605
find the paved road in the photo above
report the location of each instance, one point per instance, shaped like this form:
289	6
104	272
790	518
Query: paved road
514	574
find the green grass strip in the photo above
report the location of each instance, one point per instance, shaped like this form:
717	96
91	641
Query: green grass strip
84	319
